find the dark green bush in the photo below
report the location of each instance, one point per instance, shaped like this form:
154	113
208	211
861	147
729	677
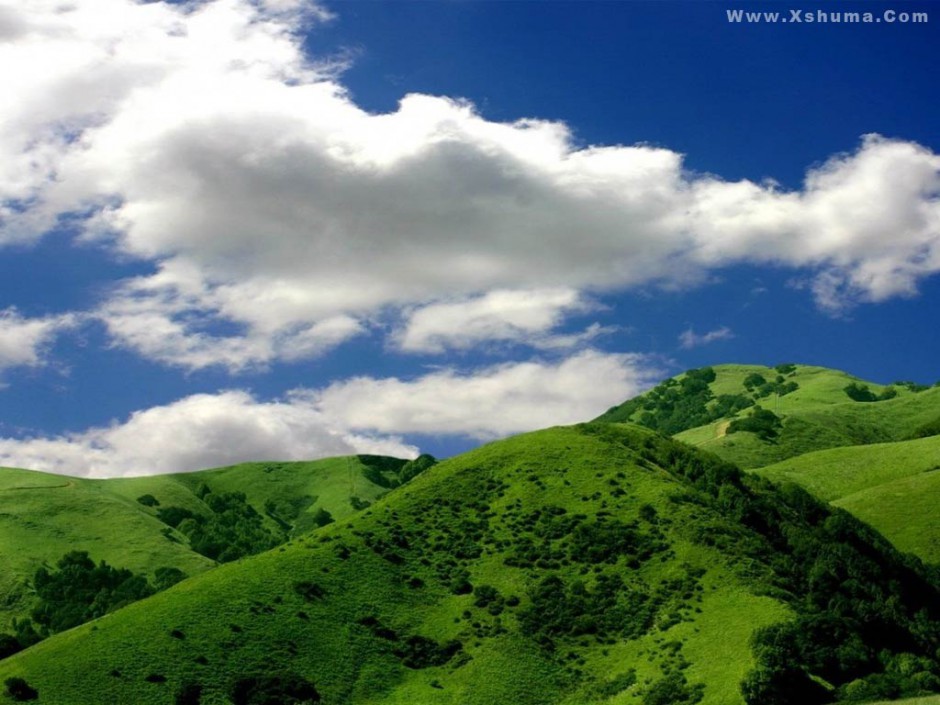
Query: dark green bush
860	392
274	689
673	689
167	576
9	645
420	652
189	694
20	690
764	423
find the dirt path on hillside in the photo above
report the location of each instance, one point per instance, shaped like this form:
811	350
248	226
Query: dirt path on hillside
39	487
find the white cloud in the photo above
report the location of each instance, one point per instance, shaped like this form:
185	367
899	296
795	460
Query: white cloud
490	402
24	342
360	415
199	137
196	432
165	324
500	315
690	339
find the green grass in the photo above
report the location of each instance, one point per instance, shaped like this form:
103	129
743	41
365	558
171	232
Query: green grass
894	487
838	472
394	562
43	516
854	454
818	415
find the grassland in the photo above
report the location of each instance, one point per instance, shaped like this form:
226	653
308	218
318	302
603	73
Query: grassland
895	487
865	457
818	415
436	593
43	516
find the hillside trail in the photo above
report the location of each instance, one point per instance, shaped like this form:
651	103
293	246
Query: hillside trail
70	483
722	429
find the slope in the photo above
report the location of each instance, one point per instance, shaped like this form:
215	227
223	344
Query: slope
806	409
43	516
592	564
887	485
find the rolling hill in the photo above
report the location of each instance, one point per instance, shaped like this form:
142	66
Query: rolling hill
876	457
43	516
895	487
811	403
601	563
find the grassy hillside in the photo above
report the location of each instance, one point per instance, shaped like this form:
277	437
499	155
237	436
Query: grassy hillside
593	564
43	516
895	487
811	403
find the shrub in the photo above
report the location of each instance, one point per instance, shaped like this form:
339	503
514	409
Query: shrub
20	690
321	517
421	652
274	689
9	645
754	380
189	694
148	500
761	422
859	392
359	504
166	577
673	689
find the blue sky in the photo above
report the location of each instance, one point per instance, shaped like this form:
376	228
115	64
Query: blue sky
235	230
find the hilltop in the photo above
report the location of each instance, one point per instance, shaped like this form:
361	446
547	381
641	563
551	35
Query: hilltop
592	564
871	449
755	416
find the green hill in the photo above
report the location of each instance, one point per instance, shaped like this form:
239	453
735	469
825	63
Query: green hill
592	564
874	458
43	516
895	487
709	408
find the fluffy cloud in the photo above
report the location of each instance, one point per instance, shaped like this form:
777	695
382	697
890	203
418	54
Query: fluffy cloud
361	415
490	402
24	341
196	432
199	137
501	315
690	339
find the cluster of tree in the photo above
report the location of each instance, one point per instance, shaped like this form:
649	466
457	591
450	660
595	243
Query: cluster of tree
764	423
231	529
391	472
678	405
759	387
860	392
77	591
559	609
